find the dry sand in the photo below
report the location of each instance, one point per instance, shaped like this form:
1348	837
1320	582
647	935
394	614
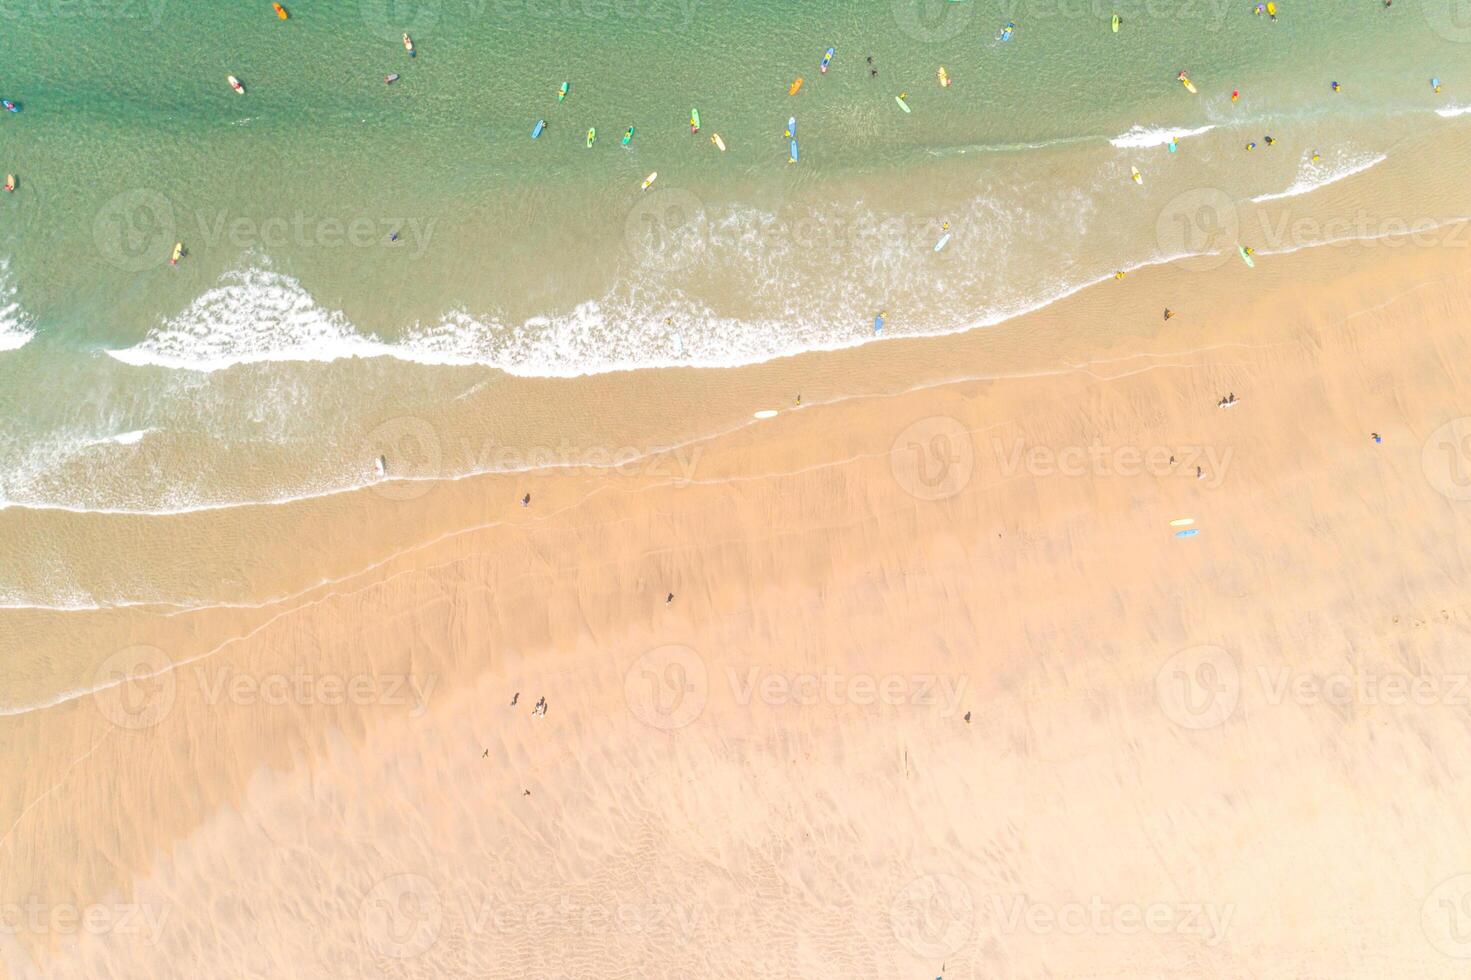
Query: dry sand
938	687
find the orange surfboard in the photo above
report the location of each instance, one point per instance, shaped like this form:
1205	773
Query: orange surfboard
795	85
280	10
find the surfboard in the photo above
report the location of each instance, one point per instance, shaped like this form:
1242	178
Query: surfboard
235	84
878	324
280	11
795	86
718	142
1115	23
944	240
628	136
1135	175
649	180
1182	521
791	127
793	158
944	77
536	130
1189	85
592	137
562	92
1250	262
178	253
827	60
1188	533
694	121
902	104
766	413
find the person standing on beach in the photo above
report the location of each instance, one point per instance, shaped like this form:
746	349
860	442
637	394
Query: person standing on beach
1168	313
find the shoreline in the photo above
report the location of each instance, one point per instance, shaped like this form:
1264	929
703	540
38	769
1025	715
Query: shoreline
978	636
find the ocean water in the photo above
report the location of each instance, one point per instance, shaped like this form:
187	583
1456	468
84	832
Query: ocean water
260	367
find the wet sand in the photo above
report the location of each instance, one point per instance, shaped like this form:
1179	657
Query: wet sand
1226	755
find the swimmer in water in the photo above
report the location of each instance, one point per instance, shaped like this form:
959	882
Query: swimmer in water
1334	86
1119	274
1315	156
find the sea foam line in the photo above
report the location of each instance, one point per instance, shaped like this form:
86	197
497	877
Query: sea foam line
1306	185
1141	137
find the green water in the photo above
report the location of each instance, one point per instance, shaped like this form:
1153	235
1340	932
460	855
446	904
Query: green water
543	256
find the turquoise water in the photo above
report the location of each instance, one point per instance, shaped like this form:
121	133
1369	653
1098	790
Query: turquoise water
542	257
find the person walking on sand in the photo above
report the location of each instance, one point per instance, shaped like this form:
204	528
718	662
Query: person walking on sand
526	500
1168	313
1375	437
669	599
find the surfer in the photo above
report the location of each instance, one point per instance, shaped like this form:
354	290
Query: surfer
1119	274
1235	94
1269	140
1248	249
1435	84
1375	437
1315	156
1333	86
1251	145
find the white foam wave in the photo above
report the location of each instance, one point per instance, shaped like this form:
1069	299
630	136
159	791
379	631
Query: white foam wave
15	323
1141	137
1451	111
1313	176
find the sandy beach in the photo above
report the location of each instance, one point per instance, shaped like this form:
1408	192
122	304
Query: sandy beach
939	691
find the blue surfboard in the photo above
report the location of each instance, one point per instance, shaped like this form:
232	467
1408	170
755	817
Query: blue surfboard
792	128
540	125
1189	532
794	152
